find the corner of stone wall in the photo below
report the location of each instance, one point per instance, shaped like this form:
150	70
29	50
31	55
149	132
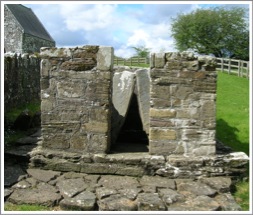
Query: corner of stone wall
183	95
76	98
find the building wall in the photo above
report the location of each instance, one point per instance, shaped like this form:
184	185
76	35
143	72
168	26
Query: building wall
33	44
15	40
13	33
182	113
76	98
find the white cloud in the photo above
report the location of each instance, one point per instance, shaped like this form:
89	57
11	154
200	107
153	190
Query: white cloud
87	17
120	26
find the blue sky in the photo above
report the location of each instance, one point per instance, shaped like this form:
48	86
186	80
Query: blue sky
115	24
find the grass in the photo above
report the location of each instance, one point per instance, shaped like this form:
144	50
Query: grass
10	136
242	195
12	114
233	112
26	207
233	123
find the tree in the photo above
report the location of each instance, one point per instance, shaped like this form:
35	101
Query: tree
141	51
218	31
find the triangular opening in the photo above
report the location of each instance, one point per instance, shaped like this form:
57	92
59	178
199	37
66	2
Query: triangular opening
132	138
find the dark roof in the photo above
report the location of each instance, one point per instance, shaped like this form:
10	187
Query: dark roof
29	21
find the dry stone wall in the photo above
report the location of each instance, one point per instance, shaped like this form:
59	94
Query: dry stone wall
76	98
21	80
182	113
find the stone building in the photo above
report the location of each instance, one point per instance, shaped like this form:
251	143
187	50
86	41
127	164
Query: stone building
23	31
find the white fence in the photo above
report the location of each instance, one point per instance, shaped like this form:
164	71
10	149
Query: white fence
233	66
134	61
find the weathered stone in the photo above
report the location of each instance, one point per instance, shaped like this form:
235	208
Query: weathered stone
71	187
159	182
196	188
163	147
150	202
22	184
103	192
162	113
200	203
221	184
117	203
35	196
227	202
85	201
119	182
170	196
105	58
43	175
159	60
143	85
123	87
162	134
7	193
130	193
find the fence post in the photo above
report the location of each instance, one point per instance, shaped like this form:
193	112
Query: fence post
229	66
222	66
247	70
239	68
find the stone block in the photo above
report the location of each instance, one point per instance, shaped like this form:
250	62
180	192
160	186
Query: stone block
79	65
162	113
150	202
143	97
159	60
162	134
105	57
96	127
46	52
123	88
45	66
162	147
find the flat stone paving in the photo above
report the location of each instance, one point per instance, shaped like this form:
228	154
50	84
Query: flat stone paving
84	192
91	192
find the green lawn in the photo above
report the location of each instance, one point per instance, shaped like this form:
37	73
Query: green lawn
233	111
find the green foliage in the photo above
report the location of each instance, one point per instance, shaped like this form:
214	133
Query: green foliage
233	111
141	51
242	195
25	207
218	31
10	136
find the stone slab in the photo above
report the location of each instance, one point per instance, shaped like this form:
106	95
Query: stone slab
34	196
143	98
122	91
85	201
43	175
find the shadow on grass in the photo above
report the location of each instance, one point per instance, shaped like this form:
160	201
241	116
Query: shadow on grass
228	136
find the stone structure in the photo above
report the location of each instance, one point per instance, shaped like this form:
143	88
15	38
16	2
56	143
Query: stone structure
82	109
23	32
76	98
182	113
21	80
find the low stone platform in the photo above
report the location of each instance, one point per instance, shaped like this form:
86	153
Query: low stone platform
89	192
120	181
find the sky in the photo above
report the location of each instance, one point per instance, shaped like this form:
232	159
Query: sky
122	25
